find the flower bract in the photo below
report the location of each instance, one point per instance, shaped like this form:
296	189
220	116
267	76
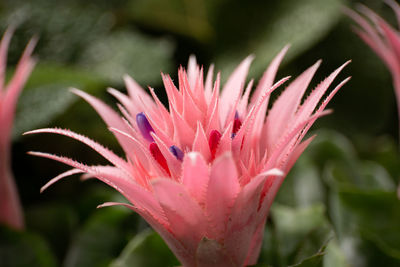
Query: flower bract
203	172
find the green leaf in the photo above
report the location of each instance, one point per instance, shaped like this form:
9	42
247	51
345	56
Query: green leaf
48	73
331	146
385	151
346	222
46	95
129	53
300	23
364	175
101	238
300	233
188	18
146	249
20	249
340	165
375	176
64	27
377	214
313	261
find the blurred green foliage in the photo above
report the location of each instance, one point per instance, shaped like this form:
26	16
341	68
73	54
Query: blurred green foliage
337	207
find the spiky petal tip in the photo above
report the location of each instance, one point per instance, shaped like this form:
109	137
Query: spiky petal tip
10	206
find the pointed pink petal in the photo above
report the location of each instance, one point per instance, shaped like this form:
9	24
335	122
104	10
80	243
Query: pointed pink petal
14	87
105	169
214	95
392	36
242	221
256	244
283	149
242	107
372	38
183	131
106	153
222	190
161	133
192	72
230	116
132	107
199	94
191	113
59	177
112	204
232	89
396	8
225	143
208	83
314	98
135	91
5	42
367	27
195	176
128	120
200	143
164	112
288	139
213	109
323	105
267	80
138	150
262	103
183	81
174	97
249	122
109	116
287	104
134	193
186	219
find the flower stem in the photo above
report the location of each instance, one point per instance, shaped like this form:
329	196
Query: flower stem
10	206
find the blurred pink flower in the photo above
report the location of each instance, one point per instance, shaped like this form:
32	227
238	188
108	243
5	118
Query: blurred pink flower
204	173
10	207
382	38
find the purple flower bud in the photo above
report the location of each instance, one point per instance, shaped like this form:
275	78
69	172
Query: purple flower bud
144	126
178	153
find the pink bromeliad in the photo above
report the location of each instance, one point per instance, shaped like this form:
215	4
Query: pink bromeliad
384	40
10	207
204	172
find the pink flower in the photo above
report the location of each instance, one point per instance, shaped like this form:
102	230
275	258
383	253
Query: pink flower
10	207
204	174
383	39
